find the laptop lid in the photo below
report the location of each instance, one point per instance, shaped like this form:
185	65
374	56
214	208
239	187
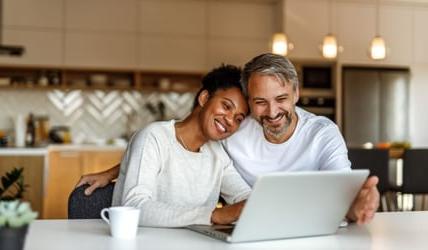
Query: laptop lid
297	204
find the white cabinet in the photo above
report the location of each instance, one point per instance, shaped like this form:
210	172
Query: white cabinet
355	29
168	18
101	15
234	51
306	25
396	28
420	35
33	13
238	31
172	53
100	49
234	19
41	47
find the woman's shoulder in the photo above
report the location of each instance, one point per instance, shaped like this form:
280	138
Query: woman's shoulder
216	148
160	130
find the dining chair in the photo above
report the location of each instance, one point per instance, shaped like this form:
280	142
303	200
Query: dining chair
415	173
377	161
81	206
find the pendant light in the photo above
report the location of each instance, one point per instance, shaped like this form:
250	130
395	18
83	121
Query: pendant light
377	46
329	46
280	45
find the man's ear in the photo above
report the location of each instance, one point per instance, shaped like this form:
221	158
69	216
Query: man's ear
296	95
203	97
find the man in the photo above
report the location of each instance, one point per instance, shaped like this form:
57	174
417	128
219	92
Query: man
280	136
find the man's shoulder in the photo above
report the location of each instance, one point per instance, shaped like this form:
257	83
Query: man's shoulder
313	122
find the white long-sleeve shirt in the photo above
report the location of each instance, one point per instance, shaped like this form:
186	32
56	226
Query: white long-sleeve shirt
174	187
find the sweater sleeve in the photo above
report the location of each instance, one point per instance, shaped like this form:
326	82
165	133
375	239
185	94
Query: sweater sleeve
143	167
233	188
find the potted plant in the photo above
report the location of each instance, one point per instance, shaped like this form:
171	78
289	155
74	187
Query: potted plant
15	215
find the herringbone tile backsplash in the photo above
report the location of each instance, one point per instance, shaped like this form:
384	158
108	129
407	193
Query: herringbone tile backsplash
94	115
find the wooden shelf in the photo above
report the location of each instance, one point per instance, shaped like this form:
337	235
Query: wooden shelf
48	78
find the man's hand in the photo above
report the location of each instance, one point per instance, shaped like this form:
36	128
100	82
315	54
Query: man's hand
227	214
98	180
366	203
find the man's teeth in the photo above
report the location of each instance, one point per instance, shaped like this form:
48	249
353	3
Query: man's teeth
276	119
220	126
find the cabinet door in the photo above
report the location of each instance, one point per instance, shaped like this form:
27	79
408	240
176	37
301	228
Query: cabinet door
96	161
65	169
33	177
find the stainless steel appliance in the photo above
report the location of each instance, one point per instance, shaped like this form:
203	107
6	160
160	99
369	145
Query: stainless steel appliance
375	105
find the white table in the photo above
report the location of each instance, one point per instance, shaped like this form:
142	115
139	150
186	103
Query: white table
401	231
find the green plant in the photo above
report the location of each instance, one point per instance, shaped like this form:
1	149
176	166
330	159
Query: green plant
12	185
13	212
16	214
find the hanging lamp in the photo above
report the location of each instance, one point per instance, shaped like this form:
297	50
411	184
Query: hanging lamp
329	46
280	44
377	45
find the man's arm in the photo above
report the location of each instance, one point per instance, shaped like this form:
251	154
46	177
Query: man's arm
100	179
333	156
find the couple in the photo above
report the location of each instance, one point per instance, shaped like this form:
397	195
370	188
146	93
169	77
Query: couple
175	171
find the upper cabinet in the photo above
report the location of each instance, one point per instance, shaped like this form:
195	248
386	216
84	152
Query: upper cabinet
101	15
306	25
420	39
195	35
46	14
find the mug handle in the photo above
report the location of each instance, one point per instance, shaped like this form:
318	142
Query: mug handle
103	215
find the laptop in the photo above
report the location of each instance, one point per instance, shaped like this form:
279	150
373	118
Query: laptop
288	205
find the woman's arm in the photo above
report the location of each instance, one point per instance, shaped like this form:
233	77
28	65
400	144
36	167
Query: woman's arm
235	191
100	179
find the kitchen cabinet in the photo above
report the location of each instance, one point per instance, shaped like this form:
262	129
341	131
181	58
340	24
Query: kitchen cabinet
33	176
65	169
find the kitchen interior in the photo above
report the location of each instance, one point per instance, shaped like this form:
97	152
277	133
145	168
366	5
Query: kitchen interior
78	77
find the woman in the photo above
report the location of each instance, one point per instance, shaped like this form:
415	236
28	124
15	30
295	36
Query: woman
175	171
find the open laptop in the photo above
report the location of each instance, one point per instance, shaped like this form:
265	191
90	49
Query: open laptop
285	205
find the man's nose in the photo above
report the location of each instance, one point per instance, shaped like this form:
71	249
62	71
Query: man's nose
273	110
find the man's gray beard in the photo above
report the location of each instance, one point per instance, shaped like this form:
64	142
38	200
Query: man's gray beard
277	134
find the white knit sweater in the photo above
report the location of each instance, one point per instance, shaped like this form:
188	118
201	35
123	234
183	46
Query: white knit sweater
174	187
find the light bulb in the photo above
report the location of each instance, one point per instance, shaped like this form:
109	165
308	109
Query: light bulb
377	48
329	46
280	44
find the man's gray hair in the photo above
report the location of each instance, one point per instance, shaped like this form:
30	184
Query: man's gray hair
272	65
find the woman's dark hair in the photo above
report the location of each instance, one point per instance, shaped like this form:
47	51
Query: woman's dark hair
224	77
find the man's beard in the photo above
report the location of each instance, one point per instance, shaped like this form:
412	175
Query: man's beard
276	132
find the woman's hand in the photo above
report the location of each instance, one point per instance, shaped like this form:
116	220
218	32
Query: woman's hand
98	180
227	214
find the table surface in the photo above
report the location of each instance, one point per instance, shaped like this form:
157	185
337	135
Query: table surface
402	230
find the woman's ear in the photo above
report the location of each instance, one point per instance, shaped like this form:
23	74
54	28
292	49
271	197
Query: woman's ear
203	97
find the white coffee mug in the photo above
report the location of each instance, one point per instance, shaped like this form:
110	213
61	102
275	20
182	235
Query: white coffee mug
123	221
